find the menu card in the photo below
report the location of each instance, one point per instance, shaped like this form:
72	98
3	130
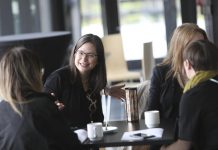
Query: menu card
138	135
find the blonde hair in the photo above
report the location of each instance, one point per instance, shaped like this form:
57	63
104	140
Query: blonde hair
181	37
20	73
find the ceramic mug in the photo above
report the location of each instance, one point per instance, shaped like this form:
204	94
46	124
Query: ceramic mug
95	131
152	118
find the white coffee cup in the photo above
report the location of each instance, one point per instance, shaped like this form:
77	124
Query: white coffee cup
95	131
152	118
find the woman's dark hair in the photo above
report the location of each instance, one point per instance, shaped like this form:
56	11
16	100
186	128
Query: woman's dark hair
98	77
202	54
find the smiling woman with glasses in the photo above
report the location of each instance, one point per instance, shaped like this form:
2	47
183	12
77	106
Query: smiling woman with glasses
78	85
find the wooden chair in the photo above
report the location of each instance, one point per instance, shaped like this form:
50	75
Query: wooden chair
116	65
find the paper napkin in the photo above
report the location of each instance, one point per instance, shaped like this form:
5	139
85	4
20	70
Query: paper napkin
82	134
128	136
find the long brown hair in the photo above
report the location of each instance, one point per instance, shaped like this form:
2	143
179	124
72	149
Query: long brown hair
98	77
181	37
20	73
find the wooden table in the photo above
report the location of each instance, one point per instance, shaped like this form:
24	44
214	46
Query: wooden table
114	139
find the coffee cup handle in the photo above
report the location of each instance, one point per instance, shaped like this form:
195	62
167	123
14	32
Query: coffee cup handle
94	129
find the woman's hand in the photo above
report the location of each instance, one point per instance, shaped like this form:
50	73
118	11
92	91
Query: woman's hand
116	91
58	103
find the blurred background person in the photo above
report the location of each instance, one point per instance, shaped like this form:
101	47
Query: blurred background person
29	118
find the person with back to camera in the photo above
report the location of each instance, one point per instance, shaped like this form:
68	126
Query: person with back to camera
168	79
77	86
29	118
198	123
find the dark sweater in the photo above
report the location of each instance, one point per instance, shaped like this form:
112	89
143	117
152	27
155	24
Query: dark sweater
164	93
198	122
73	96
40	127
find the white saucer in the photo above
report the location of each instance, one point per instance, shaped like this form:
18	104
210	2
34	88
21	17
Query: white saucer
109	129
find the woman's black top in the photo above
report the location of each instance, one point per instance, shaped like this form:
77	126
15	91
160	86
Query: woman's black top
77	106
165	93
40	127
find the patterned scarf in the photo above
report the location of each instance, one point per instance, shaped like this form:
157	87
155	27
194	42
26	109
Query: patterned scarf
199	77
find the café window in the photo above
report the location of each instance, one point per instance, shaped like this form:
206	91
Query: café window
91	17
142	21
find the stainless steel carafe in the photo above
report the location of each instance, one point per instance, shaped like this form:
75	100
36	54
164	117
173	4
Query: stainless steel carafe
132	104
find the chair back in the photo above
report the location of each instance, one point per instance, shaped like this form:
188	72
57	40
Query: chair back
116	64
114	54
147	61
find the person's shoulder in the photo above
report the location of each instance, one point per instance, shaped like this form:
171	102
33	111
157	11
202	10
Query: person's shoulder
192	92
6	111
208	87
161	70
162	67
41	105
59	75
3	103
41	99
16	131
61	71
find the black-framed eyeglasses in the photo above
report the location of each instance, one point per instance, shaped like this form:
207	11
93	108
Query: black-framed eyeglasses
88	55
